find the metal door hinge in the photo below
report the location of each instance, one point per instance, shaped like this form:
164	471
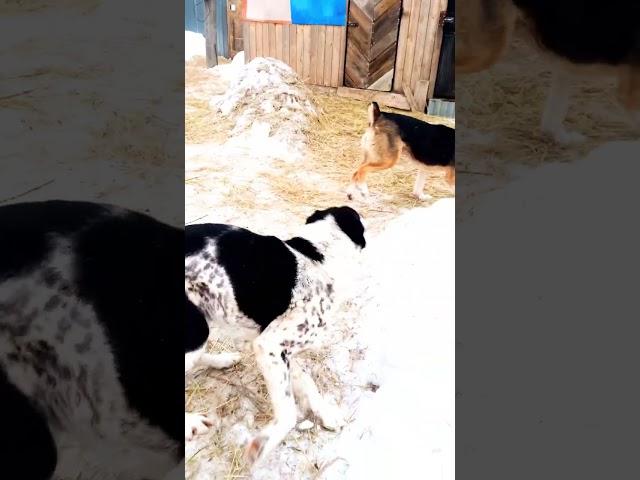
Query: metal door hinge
444	19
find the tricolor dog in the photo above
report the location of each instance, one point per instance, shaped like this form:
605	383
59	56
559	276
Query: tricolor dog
281	296
579	38
430	147
90	321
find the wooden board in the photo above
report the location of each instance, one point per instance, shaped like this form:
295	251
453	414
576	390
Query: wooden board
306	56
328	57
394	100
402	43
335	57
300	49
272	40
279	43
293	45
320	57
371	41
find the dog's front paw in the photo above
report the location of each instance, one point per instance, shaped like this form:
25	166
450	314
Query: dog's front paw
357	191
422	196
563	136
196	424
222	360
255	450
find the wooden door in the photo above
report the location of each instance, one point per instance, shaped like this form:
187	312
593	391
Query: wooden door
372	41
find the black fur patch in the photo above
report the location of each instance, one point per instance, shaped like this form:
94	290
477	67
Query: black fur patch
568	28
130	268
196	236
27	230
23	425
197	328
306	248
429	144
347	219
262	271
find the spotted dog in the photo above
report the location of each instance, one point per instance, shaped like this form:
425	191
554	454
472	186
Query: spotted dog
90	377
430	147
564	31
280	295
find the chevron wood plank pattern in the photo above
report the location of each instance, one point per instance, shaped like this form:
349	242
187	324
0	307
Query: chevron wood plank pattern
372	44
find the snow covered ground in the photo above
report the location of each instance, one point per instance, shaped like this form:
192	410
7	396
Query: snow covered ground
406	428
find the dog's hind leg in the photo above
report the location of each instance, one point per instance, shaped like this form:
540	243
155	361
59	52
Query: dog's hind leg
309	397
418	187
358	180
219	360
273	350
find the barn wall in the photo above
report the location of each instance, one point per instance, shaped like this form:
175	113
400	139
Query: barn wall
315	52
419	48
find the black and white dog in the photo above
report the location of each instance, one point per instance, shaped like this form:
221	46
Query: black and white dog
280	294
90	378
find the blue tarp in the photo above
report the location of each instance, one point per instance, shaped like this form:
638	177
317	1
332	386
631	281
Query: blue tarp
319	12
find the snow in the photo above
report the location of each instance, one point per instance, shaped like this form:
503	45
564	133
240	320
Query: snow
406	428
194	45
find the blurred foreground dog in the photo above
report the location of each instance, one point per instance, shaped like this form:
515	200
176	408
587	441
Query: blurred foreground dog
580	37
389	134
90	343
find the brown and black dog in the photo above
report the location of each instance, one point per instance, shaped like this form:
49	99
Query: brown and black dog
565	32
389	134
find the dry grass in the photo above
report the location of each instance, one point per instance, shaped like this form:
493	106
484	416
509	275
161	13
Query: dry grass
201	125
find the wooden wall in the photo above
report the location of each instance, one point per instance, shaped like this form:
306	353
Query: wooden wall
315	52
235	24
418	50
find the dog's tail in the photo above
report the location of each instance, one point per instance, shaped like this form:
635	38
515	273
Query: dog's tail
373	113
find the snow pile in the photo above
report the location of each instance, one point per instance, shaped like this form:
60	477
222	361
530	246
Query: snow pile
268	93
194	45
406	428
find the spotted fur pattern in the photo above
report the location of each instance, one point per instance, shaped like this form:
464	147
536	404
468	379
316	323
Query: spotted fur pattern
281	296
77	338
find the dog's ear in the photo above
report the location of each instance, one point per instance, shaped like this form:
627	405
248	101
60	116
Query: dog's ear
373	113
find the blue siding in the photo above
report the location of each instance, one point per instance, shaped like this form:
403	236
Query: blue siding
194	21
312	12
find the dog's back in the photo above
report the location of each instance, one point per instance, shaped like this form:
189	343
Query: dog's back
432	145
